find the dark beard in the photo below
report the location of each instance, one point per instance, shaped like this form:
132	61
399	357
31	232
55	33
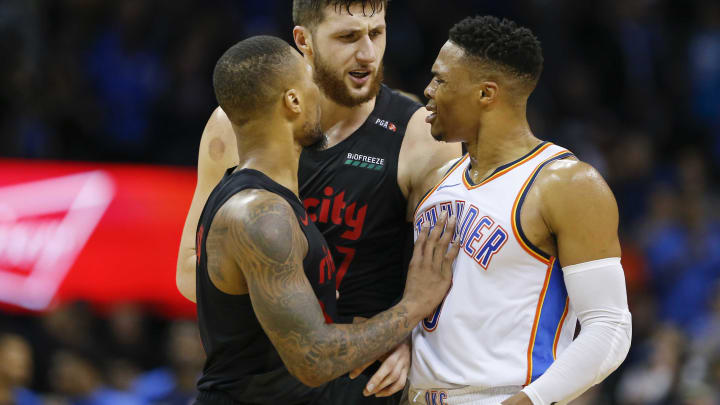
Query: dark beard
336	89
316	136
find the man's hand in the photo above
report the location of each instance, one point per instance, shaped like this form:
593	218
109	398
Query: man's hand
392	374
430	270
518	399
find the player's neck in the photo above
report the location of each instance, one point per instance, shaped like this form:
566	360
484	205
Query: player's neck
339	121
271	150
498	143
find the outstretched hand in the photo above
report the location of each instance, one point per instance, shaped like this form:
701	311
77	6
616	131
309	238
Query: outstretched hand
392	374
430	270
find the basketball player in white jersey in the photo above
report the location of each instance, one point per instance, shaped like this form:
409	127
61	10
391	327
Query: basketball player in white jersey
538	230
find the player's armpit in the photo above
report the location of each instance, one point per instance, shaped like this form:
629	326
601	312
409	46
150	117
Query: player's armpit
581	212
218	152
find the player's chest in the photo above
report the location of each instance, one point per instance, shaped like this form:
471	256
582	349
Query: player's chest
483	225
342	183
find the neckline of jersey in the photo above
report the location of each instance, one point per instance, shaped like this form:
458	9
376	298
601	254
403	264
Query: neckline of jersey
384	92
500	170
265	179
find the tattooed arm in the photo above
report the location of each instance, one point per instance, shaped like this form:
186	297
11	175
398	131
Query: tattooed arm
268	247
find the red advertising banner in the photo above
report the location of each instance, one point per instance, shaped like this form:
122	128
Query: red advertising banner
103	233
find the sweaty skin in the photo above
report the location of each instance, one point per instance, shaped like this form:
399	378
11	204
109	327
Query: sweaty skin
255	245
420	155
569	212
344	42
211	168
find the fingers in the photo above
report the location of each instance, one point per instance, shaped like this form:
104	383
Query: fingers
444	243
396	387
452	252
420	243
388	374
353	374
392	370
432	241
449	231
392	379
376	381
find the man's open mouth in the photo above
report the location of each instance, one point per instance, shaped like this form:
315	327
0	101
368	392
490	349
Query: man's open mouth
360	74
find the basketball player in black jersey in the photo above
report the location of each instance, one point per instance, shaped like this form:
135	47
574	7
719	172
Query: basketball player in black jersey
265	277
362	190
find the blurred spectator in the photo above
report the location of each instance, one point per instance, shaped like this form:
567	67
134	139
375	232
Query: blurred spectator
651	380
16	371
633	161
79	382
121	373
176	383
125	71
126	337
706	331
71	325
704	59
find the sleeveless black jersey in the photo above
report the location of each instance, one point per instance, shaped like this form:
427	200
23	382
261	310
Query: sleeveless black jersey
350	191
241	361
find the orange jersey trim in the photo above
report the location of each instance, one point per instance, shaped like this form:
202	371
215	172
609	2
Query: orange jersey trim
507	169
521	240
559	328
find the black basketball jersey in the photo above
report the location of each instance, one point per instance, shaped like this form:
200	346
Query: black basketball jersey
241	360
351	192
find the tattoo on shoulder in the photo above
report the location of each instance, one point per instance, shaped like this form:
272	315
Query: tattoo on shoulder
263	230
213	245
268	244
270	227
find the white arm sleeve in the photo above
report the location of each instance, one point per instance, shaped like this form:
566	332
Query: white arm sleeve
597	294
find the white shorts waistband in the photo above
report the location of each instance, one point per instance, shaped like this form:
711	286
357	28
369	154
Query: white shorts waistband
461	396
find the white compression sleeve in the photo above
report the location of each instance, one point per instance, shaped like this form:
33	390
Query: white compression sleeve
597	294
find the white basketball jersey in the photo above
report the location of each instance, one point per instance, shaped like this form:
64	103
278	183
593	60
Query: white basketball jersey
507	314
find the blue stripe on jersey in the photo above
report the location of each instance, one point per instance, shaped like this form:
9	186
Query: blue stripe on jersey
551	313
518	209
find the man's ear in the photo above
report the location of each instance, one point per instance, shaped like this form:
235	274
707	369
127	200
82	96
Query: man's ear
303	40
291	101
488	92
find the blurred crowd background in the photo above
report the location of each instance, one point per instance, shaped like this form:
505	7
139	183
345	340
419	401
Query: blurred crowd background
631	86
